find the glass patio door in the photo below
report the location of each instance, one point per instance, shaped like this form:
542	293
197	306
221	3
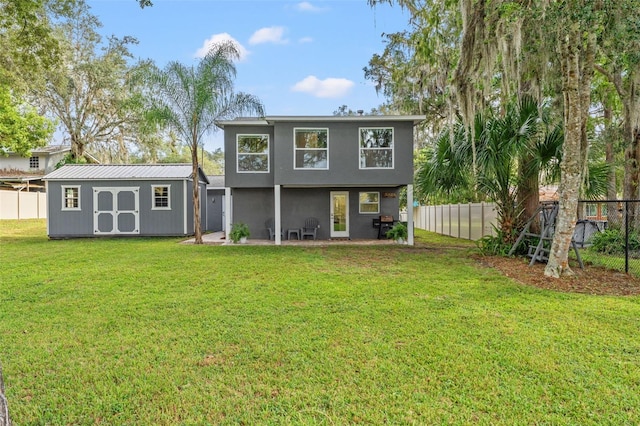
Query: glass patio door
339	214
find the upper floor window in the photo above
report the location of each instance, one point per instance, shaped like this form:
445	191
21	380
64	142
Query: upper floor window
311	148
161	197
376	148
70	198
34	162
252	153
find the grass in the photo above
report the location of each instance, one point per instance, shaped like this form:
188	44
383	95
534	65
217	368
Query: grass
148	331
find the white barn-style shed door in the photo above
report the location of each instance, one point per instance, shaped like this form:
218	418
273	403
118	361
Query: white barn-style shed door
116	211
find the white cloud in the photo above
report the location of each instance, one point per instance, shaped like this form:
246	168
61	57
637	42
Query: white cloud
268	35
305	6
327	88
305	40
219	38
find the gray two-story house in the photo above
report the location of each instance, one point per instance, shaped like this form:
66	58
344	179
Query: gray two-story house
346	172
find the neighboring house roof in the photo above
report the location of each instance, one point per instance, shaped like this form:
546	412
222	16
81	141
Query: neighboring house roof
124	172
51	149
269	120
215	181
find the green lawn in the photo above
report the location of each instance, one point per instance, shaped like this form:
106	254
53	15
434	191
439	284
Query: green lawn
149	331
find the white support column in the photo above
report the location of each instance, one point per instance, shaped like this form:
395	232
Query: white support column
277	216
228	214
410	214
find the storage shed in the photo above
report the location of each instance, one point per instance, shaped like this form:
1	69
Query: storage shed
90	200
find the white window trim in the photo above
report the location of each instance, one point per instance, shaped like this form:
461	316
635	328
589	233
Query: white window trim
360	203
268	154
64	198
153	197
393	145
296	149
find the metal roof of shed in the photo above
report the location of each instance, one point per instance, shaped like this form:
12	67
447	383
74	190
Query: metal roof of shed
215	181
123	172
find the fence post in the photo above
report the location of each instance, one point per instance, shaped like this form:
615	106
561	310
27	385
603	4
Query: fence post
626	237
469	225
459	220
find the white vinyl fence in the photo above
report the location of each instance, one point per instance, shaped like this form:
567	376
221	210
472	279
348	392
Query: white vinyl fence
23	205
470	221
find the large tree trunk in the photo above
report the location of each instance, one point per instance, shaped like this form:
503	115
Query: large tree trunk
612	192
577	65
632	151
197	230
528	193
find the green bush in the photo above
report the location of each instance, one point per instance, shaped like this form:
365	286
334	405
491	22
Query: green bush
500	244
612	241
399	231
238	231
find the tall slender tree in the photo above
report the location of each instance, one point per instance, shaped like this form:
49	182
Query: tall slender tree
190	99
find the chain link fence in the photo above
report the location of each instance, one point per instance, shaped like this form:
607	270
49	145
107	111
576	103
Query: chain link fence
608	234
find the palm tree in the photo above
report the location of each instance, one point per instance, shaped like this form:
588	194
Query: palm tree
501	141
189	100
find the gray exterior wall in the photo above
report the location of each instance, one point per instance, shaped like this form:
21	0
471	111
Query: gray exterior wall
214	209
63	223
255	206
344	156
246	180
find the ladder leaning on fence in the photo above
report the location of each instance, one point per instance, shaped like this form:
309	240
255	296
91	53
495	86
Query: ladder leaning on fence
547	212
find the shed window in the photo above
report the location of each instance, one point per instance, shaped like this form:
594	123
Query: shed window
311	148
252	153
161	195
376	148
70	198
369	202
34	163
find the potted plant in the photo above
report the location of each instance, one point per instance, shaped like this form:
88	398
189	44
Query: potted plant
239	232
399	233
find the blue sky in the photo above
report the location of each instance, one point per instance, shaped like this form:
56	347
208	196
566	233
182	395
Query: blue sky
298	57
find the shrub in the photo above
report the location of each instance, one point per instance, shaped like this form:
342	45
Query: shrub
398	232
500	244
238	231
612	241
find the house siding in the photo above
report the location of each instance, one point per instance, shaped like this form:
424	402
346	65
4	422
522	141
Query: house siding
65	223
46	162
246	180
254	206
344	155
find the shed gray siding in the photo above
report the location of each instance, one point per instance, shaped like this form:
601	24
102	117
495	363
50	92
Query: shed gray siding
63	223
255	206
